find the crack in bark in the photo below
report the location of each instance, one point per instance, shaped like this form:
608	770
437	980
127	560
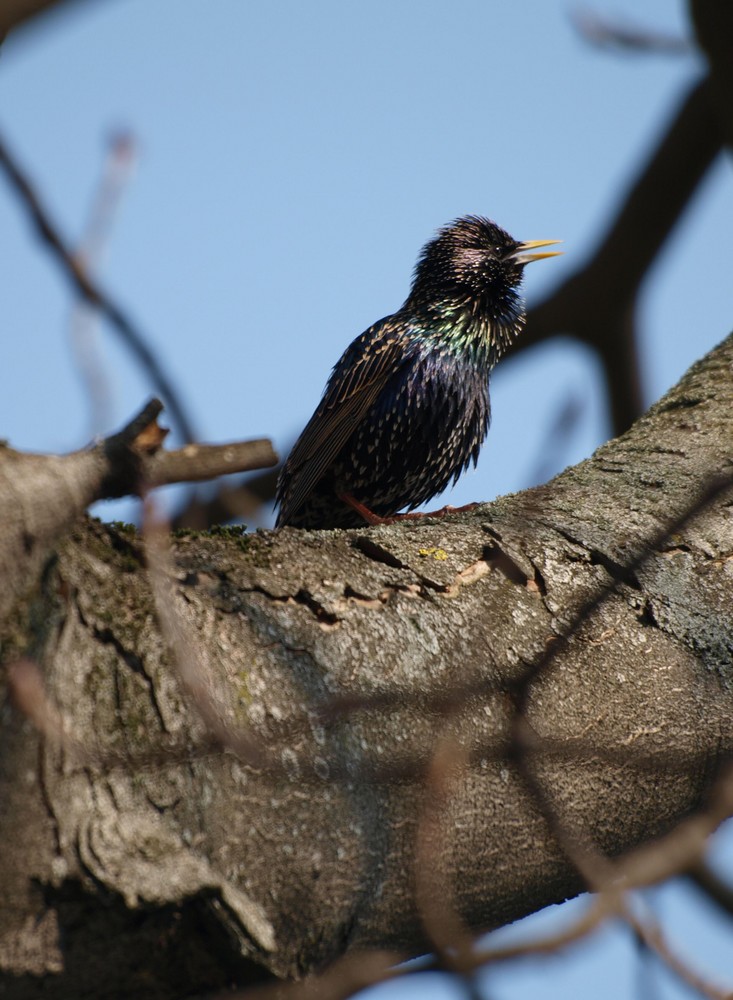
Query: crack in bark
377	552
468	575
324	617
497	556
302	597
618	572
332	619
680	403
106	637
614	569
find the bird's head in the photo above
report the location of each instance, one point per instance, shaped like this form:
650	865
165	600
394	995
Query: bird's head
474	265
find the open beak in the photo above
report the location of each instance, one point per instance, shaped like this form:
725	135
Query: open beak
521	257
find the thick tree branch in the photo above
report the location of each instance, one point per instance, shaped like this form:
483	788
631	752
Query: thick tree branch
330	665
43	495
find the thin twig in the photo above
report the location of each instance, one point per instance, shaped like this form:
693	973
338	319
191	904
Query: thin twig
186	648
199	462
343	978
434	893
136	461
716	889
77	275
244	500
608	34
651	934
601	908
116	172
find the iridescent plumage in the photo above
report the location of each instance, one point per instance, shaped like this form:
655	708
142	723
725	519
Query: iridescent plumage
406	408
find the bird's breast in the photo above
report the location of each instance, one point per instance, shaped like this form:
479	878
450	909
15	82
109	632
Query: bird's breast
424	428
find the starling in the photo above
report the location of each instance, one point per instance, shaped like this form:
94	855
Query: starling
406	408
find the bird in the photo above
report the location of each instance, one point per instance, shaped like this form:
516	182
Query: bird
406	408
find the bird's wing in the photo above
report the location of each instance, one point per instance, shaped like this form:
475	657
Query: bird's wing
356	381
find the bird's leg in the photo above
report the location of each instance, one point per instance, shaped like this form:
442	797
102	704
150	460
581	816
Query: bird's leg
371	518
442	511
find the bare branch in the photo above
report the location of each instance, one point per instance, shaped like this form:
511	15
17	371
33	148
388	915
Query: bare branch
188	652
77	275
720	892
713	23
608	34
450	938
17	13
342	979
652	936
125	463
199	462
597	304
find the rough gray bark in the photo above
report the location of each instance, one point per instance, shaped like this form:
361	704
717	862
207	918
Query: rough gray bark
138	855
42	496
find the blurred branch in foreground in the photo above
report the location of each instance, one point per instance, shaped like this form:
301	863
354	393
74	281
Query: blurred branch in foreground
119	162
75	271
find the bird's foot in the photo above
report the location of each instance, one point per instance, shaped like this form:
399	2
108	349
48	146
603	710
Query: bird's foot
369	516
373	519
442	511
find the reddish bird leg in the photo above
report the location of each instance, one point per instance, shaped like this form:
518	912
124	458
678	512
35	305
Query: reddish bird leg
371	518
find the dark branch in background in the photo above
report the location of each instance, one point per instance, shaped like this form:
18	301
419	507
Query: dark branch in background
719	892
14	13
612	34
597	304
713	23
559	427
89	290
243	499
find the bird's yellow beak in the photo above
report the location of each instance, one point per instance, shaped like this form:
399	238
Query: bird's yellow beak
521	257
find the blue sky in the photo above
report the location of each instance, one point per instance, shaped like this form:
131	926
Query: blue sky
293	158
